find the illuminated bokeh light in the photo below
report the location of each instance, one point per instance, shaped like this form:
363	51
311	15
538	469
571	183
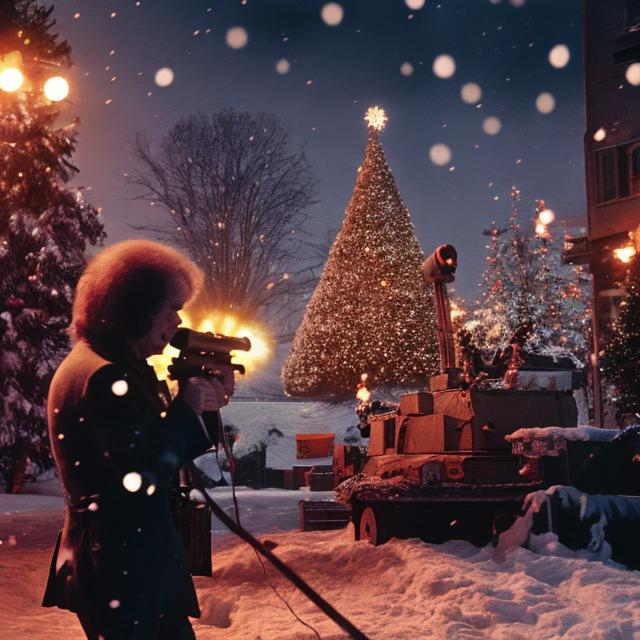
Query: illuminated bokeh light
559	56
600	134
444	66
164	77
237	37
120	388
283	66
632	74
545	103
415	5
132	481
11	79
491	125
440	154
517	3
406	68
471	93
332	14
56	89
546	216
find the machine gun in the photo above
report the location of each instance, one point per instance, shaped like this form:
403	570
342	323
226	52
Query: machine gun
204	355
438	269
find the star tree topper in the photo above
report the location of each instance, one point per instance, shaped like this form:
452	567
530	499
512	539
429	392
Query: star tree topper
376	118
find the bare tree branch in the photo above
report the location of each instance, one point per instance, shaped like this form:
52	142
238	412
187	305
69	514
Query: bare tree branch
235	197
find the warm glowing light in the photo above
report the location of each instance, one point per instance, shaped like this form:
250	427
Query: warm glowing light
415	5
164	77
237	37
518	3
227	325
363	394
600	134
440	154
376	118
541	229
545	103
632	74
457	312
56	89
559	56
11	79
625	254
444	66
491	125
332	14
546	216
471	93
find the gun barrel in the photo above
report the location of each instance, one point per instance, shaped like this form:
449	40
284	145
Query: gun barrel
189	340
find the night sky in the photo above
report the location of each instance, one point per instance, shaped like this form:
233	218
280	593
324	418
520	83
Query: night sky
335	73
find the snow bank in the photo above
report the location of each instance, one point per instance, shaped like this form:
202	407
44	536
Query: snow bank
404	589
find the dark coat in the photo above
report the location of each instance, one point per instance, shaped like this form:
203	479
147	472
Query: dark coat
119	553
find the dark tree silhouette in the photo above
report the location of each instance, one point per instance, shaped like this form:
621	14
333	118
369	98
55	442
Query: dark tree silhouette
236	197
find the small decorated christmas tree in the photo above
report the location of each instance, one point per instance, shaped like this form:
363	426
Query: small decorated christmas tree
526	283
620	362
44	231
371	312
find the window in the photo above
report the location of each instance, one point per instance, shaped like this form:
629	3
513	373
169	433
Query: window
633	168
607	175
618	172
632	15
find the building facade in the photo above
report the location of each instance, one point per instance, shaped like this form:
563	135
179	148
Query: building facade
612	161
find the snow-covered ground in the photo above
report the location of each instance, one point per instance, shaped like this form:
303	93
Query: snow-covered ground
404	589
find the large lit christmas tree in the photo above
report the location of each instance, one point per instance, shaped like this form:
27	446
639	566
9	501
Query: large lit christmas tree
620	362
370	312
44	231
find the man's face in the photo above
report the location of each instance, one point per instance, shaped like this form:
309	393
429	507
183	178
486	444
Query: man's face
165	322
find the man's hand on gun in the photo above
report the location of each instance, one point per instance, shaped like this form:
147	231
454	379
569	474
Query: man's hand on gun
208	394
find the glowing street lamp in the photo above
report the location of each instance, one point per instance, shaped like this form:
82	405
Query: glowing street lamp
11	79
625	253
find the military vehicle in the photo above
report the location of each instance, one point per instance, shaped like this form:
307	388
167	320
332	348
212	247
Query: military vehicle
438	465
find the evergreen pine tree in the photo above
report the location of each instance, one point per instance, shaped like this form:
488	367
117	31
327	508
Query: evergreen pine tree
44	231
371	312
620	362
